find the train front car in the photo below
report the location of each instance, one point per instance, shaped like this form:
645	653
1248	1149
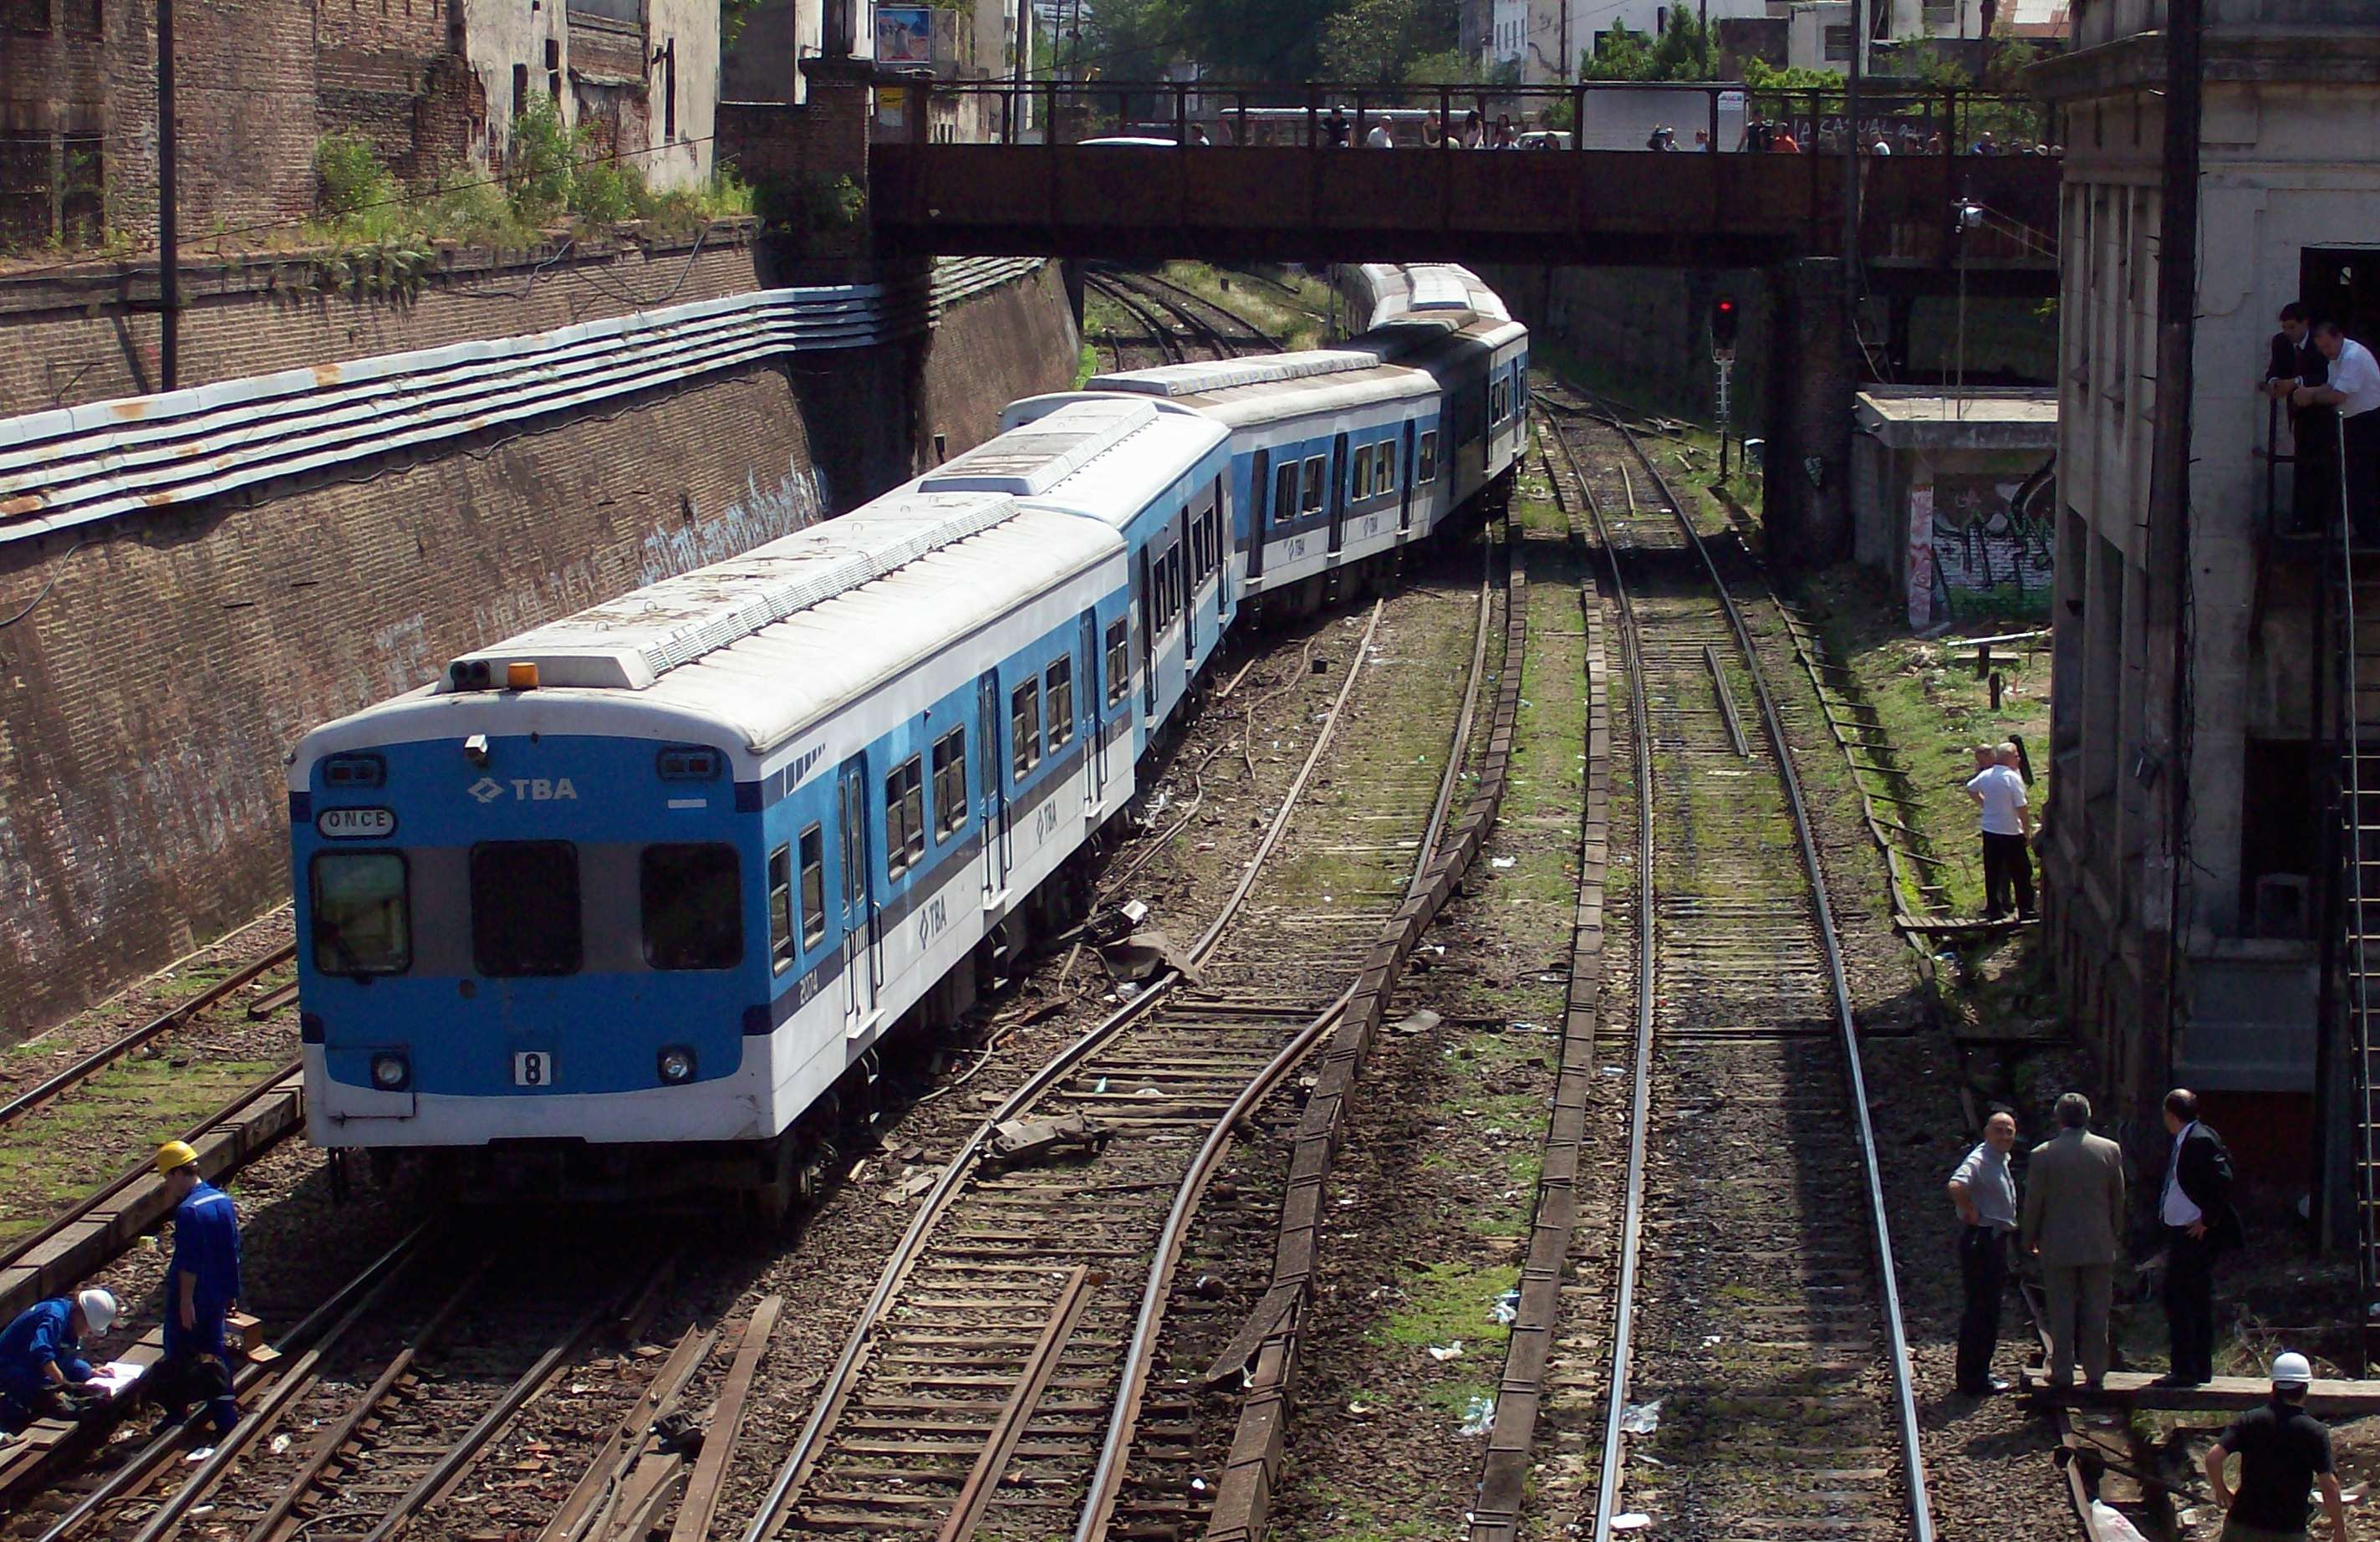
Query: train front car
623	905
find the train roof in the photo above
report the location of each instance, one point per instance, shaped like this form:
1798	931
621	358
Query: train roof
629	643
1105	457
985	557
1264	402
1221	374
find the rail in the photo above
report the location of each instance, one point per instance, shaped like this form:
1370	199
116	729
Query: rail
1879	1224
157	1027
841	1380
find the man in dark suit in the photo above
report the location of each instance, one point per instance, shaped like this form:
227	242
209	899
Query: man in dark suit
2195	1208
2314	431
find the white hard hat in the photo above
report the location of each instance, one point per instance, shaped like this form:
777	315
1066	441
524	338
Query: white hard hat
2291	1370
98	1309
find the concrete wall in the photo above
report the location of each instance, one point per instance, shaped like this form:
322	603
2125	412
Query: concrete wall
2290	159
79	336
146	699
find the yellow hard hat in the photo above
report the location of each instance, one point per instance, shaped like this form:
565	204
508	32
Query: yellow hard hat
174	1155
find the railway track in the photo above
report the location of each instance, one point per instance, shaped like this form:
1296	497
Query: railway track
1161	335
1194	310
1000	1378
1748	1348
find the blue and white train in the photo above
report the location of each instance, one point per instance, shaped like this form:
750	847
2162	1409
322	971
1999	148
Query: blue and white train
667	872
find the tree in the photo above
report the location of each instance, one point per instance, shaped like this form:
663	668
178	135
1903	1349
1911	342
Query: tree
1682	52
1380	41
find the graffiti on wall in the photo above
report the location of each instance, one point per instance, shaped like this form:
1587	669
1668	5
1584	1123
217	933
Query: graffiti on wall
1981	543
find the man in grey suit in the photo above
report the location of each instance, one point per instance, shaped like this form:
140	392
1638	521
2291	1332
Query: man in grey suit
2074	1223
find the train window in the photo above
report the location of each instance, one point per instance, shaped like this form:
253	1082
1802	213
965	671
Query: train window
1312	503
949	782
1285	495
813	886
693	901
1384	469
362	925
1059	680
1025	727
353	771
525	908
1426	463
1120	656
781	910
905	817
1361	475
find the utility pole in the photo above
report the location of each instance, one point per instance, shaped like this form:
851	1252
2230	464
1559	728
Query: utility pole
1851	173
169	244
2168	554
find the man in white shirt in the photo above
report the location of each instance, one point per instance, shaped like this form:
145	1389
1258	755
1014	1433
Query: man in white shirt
1379	138
1998	790
2354	389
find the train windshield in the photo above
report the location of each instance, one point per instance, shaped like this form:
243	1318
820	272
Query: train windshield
525	908
692	907
361	925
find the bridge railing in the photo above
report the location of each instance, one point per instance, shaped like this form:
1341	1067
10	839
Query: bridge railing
1715	117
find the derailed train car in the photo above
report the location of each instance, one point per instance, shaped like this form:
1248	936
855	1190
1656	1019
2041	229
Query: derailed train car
628	904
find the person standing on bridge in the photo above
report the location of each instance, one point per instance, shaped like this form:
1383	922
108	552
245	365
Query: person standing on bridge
2073	1222
1985	1197
1335	128
2355	388
202	1289
2283	1451
1379	138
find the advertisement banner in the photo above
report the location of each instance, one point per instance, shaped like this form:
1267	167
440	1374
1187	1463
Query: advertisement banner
904	35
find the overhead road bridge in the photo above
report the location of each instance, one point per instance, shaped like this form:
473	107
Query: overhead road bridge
1139	173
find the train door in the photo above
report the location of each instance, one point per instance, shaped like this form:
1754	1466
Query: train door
1338	494
1405	488
860	957
1260	483
1184	563
1148	637
998	850
1087	713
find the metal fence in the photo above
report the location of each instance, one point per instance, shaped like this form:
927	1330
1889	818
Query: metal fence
1717	116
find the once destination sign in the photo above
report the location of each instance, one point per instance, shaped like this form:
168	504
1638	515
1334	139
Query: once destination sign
356	823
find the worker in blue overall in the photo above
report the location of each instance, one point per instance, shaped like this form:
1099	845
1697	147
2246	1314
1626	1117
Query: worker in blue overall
201	1287
43	1372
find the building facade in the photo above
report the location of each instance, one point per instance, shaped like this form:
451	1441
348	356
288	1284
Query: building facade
434	84
2187	851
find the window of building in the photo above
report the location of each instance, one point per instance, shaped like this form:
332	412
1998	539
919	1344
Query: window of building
1312	502
1839	45
949	782
781	910
363	924
520	90
525	917
1426	460
1025	727
1059	681
1119	660
905	817
692	898
1284	497
813	894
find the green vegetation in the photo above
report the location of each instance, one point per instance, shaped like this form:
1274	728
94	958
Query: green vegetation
56	1154
1447	1302
378	231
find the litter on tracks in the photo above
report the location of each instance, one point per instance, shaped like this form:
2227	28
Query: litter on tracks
1641	1418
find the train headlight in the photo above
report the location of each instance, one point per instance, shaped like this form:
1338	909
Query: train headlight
391	1072
678	1064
